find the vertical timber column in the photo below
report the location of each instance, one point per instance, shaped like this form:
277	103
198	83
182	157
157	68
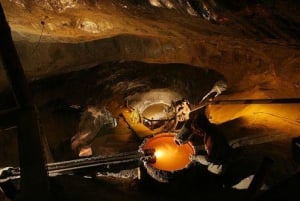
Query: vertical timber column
34	184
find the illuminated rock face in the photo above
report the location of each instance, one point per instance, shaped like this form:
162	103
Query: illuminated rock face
169	156
254	46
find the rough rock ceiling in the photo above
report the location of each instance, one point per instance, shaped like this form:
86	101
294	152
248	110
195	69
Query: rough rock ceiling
254	44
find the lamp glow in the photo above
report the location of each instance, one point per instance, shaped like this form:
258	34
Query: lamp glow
169	155
158	153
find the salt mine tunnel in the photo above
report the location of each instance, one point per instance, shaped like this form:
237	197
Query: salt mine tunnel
90	91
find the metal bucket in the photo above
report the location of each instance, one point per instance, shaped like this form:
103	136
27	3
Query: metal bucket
170	157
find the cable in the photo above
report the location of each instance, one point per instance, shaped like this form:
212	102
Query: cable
39	41
296	122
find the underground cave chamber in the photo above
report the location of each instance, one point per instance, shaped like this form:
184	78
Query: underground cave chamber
256	130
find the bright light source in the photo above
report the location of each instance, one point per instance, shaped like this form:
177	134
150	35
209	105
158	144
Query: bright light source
158	153
169	156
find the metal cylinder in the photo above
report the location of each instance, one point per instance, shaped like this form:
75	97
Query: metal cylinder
171	158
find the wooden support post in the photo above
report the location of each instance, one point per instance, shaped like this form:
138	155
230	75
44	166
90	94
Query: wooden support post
34	182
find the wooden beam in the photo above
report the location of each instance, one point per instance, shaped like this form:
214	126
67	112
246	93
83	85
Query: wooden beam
34	182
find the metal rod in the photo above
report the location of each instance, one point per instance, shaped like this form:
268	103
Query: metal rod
85	164
257	101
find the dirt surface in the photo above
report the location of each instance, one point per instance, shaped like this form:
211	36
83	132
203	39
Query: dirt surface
257	131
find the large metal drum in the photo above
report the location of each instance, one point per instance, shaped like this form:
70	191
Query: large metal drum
170	157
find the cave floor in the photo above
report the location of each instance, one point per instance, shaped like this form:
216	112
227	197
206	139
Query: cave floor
254	142
256	131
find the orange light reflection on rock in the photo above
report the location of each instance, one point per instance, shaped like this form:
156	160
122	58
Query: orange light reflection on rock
169	155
